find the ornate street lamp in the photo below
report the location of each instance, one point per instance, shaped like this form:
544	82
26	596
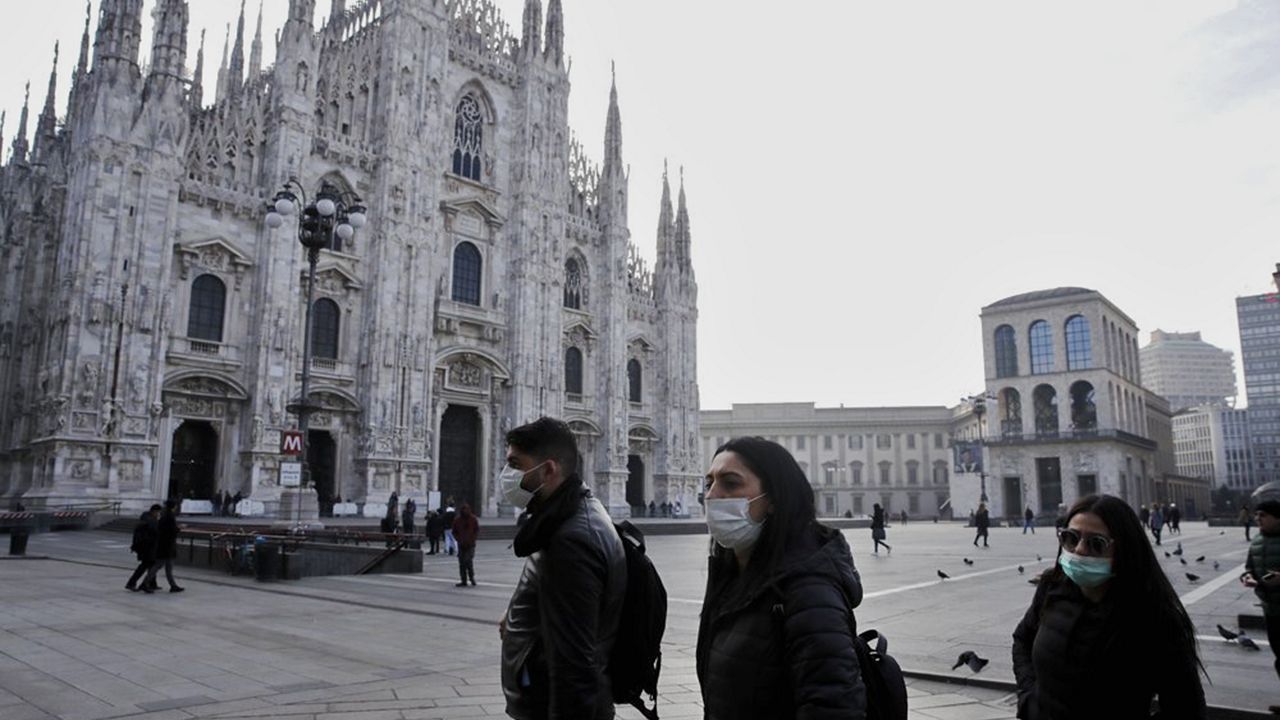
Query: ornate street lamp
333	213
979	405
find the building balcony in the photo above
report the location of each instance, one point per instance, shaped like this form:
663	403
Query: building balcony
204	352
330	368
1011	438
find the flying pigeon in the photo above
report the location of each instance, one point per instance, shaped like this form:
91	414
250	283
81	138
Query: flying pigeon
1192	577
967	561
1021	570
970	658
1215	564
1227	634
1246	642
1200	559
943	575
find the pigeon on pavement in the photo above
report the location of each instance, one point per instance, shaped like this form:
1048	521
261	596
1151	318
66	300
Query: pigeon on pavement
1021	570
1246	642
1215	564
1227	634
970	658
1200	559
1179	550
967	561
943	575
1182	560
1167	554
1039	559
1192	577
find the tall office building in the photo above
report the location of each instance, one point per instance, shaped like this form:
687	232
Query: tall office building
1259	319
1187	371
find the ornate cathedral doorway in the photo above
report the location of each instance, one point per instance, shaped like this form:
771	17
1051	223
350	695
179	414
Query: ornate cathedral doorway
635	485
459	455
322	454
195	461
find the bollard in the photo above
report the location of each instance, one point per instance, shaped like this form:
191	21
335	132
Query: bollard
18	542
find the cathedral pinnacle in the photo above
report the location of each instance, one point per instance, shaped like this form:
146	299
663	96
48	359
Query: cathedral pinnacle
20	142
169	39
683	240
196	97
255	49
235	70
555	33
613	129
82	66
221	90
666	226
46	124
119	33
532	21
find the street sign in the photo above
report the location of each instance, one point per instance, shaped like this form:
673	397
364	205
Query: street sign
290	474
290	442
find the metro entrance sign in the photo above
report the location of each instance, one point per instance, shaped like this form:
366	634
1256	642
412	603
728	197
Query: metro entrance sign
291	442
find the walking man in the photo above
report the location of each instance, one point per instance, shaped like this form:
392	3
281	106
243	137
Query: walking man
466	528
1175	519
560	626
1157	522
450	514
406	520
145	534
982	521
166	548
1262	571
1028	521
435	528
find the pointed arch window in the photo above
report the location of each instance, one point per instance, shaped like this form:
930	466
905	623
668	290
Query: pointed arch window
466	274
1006	352
633	380
573	371
575	291
1041	347
468	139
1079	350
208	307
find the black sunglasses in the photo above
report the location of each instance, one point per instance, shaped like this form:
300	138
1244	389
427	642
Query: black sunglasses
1096	544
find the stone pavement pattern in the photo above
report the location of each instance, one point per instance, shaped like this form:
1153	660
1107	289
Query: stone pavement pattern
74	644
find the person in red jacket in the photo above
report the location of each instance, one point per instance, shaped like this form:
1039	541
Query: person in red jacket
466	528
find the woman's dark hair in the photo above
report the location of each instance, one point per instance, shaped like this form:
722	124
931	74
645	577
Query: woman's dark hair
789	493
1141	590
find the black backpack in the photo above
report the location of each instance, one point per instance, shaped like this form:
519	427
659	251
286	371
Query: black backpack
886	688
636	658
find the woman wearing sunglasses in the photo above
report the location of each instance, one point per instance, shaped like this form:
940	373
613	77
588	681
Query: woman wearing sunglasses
776	636
1105	633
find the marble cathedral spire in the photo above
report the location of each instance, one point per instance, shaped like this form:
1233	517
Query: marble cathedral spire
19	155
529	39
235	69
221	91
255	49
196	96
47	123
555	32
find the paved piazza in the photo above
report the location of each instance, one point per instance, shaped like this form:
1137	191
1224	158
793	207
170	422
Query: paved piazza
75	644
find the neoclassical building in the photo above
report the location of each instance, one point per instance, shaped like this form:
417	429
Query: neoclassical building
151	324
1066	411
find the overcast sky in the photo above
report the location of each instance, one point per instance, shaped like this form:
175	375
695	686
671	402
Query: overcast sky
863	177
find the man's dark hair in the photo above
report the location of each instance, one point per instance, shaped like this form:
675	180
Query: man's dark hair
170	504
155	507
547	439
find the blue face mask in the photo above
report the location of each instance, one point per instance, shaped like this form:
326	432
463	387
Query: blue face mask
1084	570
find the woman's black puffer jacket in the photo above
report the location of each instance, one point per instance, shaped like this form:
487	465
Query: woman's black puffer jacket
783	647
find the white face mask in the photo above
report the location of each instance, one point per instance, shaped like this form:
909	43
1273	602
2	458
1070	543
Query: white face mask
509	480
730	524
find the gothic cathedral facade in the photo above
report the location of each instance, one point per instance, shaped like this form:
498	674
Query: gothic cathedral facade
151	324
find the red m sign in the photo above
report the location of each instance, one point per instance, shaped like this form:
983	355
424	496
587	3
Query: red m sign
290	442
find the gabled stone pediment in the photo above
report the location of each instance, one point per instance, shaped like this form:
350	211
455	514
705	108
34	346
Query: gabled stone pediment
333	279
639	345
470	216
579	333
215	254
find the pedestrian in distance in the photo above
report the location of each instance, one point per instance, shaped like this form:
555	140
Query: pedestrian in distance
1246	519
878	530
166	547
435	528
1174	519
1262	568
1157	522
653	509
1144	515
1028	521
216	503
776	635
406	519
145	535
559	629
1105	632
982	521
902	515
466	528
387	526
235	504
449	513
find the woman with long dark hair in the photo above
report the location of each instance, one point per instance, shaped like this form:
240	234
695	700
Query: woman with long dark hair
1106	633
776	635
877	530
